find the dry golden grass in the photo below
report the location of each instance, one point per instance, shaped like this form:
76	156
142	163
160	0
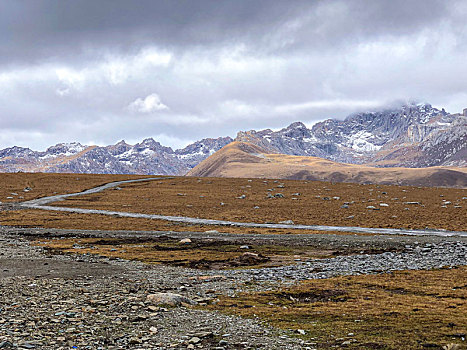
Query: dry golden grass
42	184
401	310
202	197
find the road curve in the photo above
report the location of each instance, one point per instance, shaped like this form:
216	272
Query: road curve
41	203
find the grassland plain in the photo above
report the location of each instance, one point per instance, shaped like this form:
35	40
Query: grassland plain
303	202
397	310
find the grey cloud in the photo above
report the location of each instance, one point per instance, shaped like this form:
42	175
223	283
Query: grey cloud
49	29
46	29
69	70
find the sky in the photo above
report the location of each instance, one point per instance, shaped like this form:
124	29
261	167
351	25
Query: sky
98	72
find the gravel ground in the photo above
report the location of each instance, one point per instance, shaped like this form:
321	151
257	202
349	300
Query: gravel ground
64	302
419	257
88	302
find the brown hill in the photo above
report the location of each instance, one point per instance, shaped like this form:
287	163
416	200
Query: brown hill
245	160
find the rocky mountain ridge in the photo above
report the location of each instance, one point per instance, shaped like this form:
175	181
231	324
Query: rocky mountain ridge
411	135
146	157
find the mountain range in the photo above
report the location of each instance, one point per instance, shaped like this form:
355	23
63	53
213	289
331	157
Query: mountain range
411	135
147	157
245	160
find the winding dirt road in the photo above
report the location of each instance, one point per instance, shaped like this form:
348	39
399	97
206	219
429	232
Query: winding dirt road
41	203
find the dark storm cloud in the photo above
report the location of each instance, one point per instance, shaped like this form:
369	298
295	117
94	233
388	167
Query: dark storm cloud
100	71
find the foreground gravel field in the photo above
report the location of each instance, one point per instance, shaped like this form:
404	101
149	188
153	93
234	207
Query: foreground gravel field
51	301
62	302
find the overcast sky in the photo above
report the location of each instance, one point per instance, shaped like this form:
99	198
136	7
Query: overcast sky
178	71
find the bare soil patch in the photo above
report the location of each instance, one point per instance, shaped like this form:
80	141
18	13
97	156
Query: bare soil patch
50	268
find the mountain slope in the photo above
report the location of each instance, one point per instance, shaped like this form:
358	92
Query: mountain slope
239	159
147	157
412	135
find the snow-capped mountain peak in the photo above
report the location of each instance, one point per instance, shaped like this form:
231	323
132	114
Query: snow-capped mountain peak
65	149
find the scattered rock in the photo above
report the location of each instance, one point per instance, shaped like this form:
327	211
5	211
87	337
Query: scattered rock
194	340
170	299
286	222
209	278
204	334
211	231
249	258
136	340
185	241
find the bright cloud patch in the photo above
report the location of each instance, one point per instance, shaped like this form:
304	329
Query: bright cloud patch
150	104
